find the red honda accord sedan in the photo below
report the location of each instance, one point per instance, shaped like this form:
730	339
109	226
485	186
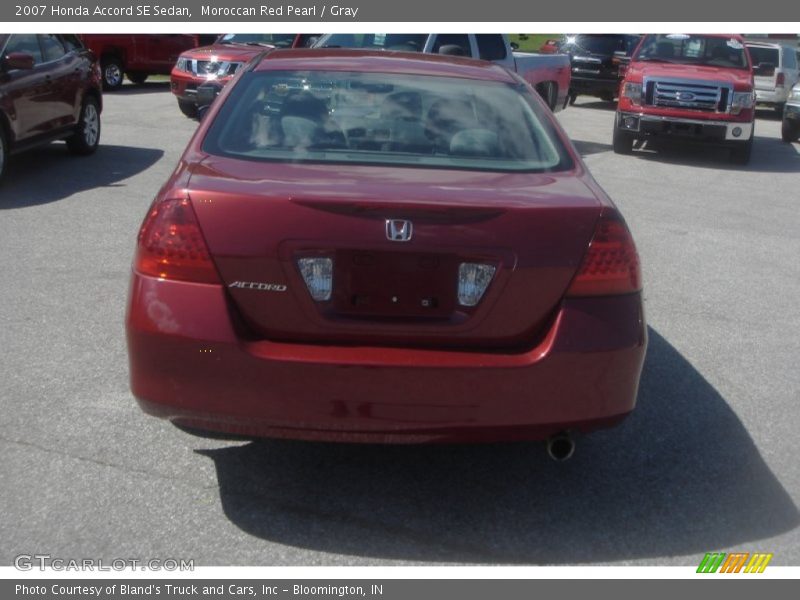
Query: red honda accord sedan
384	247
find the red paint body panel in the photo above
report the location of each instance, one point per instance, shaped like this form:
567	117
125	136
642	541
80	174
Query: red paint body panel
536	233
151	53
366	61
526	362
189	364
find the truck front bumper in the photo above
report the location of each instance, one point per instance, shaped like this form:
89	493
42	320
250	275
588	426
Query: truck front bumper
650	125
184	85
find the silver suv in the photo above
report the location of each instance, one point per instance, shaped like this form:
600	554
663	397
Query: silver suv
790	128
776	71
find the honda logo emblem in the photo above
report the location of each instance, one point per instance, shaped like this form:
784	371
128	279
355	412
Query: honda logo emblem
398	230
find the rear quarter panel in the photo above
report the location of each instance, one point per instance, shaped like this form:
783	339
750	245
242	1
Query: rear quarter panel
539	68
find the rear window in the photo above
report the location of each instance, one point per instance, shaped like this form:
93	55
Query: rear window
692	49
491	46
600	44
373	118
760	55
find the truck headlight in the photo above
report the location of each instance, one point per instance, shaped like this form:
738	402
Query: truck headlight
795	95
742	100
633	91
182	64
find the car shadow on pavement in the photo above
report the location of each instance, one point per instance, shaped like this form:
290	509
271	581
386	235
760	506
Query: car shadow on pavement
595	103
51	173
681	476
770	155
588	148
148	87
769	114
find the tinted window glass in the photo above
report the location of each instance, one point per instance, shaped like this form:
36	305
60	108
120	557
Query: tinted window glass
761	55
595	44
630	42
789	59
491	46
600	44
304	40
691	49
71	42
454	44
27	43
375	118
52	47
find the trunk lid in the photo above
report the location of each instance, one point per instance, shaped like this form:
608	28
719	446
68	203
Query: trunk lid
260	218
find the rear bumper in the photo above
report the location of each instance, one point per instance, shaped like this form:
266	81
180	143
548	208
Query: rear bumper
189	365
772	96
594	86
644	125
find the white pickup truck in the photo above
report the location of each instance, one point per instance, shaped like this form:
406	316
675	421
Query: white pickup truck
549	74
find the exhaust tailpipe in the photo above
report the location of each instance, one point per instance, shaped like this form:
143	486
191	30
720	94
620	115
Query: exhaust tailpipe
560	447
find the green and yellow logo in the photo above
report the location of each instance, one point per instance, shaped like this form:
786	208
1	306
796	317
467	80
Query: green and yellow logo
736	562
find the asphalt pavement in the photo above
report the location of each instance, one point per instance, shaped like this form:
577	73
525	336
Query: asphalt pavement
708	461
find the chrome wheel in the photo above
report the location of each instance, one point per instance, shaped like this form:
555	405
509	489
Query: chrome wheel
112	73
86	135
91	124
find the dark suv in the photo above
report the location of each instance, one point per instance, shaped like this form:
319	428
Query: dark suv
596	59
49	90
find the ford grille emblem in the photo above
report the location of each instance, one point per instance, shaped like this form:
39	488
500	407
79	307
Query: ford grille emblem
398	230
685	96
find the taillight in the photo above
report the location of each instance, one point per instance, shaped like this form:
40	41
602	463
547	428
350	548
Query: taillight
318	275
171	245
780	80
473	279
611	264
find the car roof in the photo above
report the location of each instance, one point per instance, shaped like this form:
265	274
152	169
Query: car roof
381	61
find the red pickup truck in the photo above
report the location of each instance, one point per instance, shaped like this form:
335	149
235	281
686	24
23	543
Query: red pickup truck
691	86
137	56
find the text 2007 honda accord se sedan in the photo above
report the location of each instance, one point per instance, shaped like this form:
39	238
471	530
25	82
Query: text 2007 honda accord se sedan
384	247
